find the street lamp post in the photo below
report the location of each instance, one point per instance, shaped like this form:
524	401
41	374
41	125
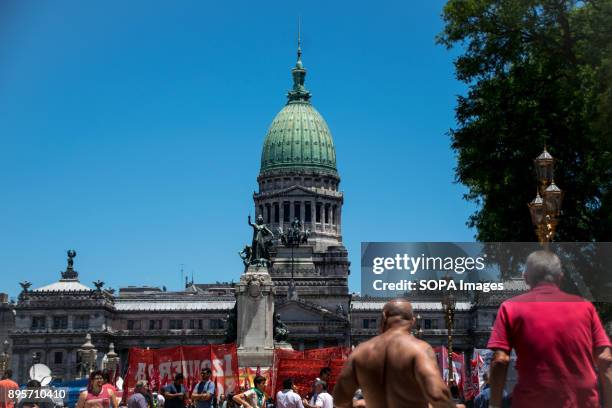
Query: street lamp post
546	206
112	361
4	357
88	355
292	238
449	304
419	329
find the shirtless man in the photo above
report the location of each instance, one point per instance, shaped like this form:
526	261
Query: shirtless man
394	369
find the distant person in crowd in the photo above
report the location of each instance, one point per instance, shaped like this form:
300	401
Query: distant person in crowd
175	393
325	374
221	400
287	397
161	401
358	400
394	369
7	384
321	398
35	401
204	391
482	400
96	396
255	397
108	382
559	340
229	401
138	400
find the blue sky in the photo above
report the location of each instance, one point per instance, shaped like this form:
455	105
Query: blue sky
132	131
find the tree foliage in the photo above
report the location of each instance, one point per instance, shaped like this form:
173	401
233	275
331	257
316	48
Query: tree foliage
538	73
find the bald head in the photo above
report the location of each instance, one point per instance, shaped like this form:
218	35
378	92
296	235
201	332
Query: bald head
397	312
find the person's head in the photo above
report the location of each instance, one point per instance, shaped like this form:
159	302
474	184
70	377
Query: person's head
259	219
325	373
260	382
543	266
141	386
7	374
485	377
96	380
397	313
230	400
178	378
320	386
288	384
107	375
205	374
33	384
358	400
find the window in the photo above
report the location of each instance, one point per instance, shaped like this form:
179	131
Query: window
155	324
58	357
176	324
327	213
318	212
268	217
286	210
133	324
216	323
429	324
333	215
81	322
297	211
369	324
307	212
276	213
60	322
200	325
39	322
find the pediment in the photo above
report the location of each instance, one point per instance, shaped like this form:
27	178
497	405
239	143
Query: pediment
297	190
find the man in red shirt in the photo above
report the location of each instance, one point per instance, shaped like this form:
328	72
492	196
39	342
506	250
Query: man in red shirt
7	399
558	339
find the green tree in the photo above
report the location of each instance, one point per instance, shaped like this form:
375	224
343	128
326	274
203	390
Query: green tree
538	73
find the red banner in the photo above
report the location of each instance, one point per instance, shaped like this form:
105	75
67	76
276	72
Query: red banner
304	367
159	366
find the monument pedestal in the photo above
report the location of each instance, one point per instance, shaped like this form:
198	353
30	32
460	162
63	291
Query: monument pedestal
255	298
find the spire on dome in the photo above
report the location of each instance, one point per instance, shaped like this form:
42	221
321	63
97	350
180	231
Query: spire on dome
299	92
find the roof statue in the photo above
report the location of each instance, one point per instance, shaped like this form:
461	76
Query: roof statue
70	273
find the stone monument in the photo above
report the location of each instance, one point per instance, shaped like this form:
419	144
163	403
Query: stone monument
255	300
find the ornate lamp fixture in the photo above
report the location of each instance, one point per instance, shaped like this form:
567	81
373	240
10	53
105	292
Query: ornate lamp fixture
546	206
4	357
112	361
88	356
292	238
449	304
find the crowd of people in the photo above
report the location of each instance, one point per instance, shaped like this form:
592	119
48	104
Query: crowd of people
564	359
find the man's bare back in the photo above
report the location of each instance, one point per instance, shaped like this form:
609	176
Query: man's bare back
394	369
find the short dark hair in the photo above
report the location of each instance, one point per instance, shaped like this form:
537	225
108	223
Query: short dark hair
33	384
259	379
287	383
206	370
179	376
7	373
325	370
106	375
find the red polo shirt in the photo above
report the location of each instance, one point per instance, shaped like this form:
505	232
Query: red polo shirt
554	334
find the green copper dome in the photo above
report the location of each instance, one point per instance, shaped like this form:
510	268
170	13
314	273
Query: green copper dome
298	138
